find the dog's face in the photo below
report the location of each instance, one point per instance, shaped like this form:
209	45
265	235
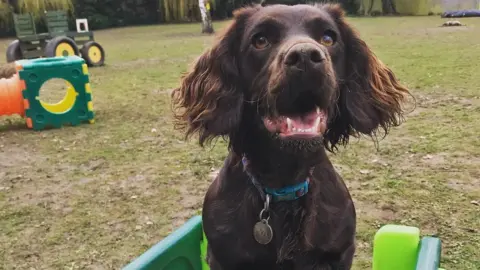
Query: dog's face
293	57
298	75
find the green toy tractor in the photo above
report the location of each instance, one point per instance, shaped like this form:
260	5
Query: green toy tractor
58	41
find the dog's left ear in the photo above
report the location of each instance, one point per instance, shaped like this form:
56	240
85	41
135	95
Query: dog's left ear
370	97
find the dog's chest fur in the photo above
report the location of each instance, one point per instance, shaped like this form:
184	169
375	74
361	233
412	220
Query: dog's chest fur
287	220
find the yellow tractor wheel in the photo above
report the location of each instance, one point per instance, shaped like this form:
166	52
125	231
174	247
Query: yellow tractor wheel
61	46
93	54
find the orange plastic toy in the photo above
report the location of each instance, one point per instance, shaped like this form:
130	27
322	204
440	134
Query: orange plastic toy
11	98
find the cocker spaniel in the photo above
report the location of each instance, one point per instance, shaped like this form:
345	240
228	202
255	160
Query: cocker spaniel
285	85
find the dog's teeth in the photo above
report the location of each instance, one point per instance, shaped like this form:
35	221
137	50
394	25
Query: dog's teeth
317	122
318	110
289	124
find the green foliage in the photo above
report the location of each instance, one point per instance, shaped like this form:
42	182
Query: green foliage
113	13
37	7
5	18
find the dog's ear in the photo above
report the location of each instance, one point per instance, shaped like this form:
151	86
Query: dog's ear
209	100
370	97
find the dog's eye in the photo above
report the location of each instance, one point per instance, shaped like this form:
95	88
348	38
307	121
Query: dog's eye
327	39
260	42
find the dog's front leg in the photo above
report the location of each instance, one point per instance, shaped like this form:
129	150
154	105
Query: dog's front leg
212	262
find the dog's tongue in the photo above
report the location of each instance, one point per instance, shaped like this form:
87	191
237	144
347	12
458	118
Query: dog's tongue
309	124
301	122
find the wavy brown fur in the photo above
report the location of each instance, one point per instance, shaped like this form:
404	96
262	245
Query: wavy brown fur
375	96
200	101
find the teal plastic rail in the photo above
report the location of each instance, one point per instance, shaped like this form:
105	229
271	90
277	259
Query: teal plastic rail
396	247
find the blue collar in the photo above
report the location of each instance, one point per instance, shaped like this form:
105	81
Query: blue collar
289	193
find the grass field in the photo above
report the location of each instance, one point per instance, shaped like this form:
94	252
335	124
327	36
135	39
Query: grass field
97	196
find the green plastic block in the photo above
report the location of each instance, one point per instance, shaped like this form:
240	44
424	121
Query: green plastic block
181	250
429	254
396	247
73	70
203	252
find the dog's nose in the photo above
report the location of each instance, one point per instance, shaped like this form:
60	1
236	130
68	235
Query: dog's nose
304	56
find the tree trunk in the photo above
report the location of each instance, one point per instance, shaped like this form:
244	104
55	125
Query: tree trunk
206	19
371	7
14	5
389	7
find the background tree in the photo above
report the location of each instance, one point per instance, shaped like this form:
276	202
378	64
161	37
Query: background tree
38	7
389	7
207	26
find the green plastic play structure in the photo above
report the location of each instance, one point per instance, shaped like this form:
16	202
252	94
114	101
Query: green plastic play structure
20	94
396	247
76	106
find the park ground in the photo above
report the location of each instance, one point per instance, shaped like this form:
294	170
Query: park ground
97	196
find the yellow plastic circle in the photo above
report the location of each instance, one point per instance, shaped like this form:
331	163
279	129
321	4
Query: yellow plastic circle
65	104
64	49
95	54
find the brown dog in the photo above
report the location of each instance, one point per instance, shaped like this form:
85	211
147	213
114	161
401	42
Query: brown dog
285	84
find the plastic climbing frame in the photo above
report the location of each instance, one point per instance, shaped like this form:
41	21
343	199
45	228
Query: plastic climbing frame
395	248
20	93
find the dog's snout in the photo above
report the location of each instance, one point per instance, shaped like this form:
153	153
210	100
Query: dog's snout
303	56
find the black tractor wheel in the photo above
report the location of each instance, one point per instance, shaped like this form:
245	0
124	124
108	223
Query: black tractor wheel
61	46
14	52
93	54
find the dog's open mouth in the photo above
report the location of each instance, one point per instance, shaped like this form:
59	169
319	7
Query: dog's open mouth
307	125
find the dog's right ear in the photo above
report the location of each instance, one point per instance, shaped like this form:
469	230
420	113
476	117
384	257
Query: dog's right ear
210	100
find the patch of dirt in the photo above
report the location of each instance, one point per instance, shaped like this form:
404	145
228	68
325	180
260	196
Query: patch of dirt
472	184
15	156
190	199
385	212
435	159
429	101
467	159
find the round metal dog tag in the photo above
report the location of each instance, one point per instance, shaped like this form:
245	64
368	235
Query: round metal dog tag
262	232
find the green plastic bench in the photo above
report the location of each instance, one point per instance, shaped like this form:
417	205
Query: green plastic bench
395	247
